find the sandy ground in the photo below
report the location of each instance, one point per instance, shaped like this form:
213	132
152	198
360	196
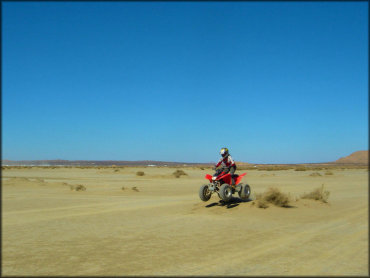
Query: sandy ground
164	228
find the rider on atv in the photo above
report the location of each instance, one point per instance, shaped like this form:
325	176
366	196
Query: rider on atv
227	163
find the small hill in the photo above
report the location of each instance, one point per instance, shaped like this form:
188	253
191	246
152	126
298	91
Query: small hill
360	157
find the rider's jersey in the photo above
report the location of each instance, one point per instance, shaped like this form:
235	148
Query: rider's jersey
226	162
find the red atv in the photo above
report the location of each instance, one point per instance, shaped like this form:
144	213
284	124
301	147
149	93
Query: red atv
222	185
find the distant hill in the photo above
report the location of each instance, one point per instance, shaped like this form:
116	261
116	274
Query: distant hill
359	157
59	162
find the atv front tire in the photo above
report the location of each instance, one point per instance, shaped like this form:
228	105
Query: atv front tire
225	192
204	193
245	192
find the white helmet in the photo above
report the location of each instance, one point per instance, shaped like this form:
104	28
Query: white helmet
224	152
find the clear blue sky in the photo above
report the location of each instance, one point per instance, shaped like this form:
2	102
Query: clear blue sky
283	82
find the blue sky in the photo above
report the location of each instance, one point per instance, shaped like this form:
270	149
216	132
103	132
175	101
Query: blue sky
283	82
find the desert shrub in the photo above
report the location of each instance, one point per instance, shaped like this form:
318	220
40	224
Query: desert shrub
78	187
315	174
201	168
122	188
267	175
270	168
140	173
318	194
316	168
116	170
300	169
273	196
179	173
134	188
327	173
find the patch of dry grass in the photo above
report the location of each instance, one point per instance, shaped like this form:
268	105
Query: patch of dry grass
272	196
318	194
134	188
328	173
267	175
300	169
271	168
78	187
179	173
140	173
315	174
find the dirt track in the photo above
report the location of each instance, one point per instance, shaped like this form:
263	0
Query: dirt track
164	228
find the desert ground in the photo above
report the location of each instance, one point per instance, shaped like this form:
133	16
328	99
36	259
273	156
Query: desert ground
157	225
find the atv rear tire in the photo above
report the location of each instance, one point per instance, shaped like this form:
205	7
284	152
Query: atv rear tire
204	193
225	192
245	192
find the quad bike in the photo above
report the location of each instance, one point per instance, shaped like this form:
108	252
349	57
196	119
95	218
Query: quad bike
222	185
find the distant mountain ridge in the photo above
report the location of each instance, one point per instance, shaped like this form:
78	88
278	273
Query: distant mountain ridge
60	162
359	157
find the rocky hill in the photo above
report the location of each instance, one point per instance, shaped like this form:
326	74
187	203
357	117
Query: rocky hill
359	157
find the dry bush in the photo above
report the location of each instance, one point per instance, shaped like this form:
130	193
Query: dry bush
244	167
272	168
116	170
316	169
201	168
267	175
300	169
78	187
315	174
140	173
135	189
273	196
122	188
179	173
318	194
327	173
